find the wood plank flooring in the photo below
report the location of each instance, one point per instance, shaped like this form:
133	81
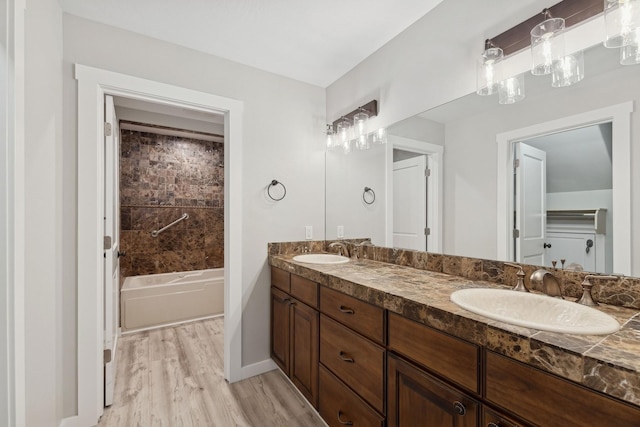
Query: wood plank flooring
174	377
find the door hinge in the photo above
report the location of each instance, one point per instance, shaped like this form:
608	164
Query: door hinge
107	355
516	163
427	172
516	233
107	242
107	129
427	231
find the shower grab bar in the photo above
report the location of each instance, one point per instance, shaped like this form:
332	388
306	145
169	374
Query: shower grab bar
155	233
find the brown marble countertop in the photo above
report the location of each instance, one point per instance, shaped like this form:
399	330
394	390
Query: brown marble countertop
606	363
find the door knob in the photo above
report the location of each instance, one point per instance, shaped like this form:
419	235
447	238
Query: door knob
121	254
546	245
589	245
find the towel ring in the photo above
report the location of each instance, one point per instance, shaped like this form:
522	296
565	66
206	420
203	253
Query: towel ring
368	190
273	184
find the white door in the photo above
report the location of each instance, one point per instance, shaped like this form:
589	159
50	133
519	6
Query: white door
410	203
531	205
112	241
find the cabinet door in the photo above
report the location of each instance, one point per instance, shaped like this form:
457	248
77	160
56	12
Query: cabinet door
417	399
280	331
491	418
304	350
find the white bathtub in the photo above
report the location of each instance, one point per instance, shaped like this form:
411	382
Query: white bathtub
166	299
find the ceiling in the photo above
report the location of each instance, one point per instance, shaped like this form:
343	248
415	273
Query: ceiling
314	42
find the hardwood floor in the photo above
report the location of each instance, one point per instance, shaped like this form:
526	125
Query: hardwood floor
174	377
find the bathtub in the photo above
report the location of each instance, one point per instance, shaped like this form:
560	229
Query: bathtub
157	300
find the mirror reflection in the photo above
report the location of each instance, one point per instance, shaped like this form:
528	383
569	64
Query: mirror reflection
470	199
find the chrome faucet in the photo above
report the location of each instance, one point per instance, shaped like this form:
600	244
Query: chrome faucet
343	249
546	282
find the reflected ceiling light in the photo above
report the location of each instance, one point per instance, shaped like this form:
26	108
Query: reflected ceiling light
488	70
630	54
380	136
622	19
547	44
568	70
511	90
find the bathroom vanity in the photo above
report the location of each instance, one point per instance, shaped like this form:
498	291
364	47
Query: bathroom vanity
373	343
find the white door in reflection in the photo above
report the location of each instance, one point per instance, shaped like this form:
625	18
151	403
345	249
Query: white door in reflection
531	205
410	203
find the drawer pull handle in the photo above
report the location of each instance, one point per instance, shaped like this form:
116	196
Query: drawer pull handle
346	423
492	425
458	408
346	310
344	358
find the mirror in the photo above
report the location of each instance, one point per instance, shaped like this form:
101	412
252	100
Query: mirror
468	144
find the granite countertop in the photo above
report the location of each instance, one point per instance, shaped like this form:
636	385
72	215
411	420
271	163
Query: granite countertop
606	363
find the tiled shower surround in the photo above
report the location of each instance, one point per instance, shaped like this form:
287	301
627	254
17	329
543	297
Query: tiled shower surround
161	178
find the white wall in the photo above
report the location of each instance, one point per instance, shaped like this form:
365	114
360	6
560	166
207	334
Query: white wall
43	213
347	175
283	139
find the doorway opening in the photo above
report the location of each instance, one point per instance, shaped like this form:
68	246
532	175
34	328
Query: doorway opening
93	85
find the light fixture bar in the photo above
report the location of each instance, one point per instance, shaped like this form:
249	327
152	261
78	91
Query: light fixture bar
573	12
370	107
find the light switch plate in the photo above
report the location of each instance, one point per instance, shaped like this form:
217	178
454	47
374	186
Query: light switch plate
308	232
340	231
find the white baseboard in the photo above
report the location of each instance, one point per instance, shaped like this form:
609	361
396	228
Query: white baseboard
69	422
258	368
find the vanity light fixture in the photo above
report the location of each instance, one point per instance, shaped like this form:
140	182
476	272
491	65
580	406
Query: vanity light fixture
630	54
352	129
488	70
622	20
380	136
547	44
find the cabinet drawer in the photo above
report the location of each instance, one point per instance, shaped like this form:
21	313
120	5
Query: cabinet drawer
358	315
339	406
304	290
547	400
280	279
491	418
453	358
416	398
358	362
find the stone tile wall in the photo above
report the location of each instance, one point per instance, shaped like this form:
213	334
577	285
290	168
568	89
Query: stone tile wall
162	177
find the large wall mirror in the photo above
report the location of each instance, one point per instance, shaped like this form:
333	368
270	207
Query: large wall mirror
471	199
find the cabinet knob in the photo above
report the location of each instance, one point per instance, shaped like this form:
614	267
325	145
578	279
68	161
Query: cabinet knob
346	423
492	425
458	408
346	310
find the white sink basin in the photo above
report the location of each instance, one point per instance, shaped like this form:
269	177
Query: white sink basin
535	311
321	259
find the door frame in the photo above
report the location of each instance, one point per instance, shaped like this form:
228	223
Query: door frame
93	85
620	117
434	155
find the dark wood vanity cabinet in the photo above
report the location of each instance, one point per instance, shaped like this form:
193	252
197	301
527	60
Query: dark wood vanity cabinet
294	331
416	398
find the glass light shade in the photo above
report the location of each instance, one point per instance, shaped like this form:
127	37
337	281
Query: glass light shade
343	129
362	142
380	136
621	20
360	123
488	71
630	55
332	138
547	45
568	71
511	90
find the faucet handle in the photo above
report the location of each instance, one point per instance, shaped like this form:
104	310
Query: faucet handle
520	282
587	298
